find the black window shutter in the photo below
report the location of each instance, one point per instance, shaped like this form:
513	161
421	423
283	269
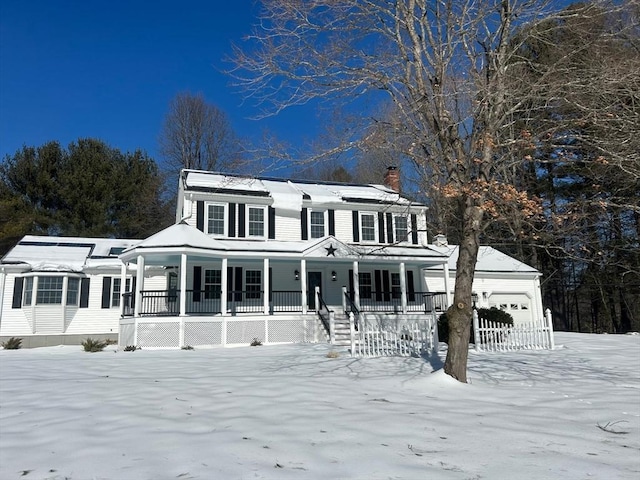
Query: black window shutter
303	224
197	282
272	222
356	226
200	215
377	278
410	287
229	283
414	229
389	228
332	223
381	235
106	292
270	283
238	284
84	293
232	219
385	285
241	209
17	292
351	285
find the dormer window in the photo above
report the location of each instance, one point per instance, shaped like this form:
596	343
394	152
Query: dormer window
216	219
255	221
368	227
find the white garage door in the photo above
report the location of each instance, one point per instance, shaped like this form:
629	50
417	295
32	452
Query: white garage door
518	305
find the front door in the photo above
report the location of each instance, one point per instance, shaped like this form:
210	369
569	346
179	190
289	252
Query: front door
314	279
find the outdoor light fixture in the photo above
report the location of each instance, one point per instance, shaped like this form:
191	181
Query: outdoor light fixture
333	276
296	274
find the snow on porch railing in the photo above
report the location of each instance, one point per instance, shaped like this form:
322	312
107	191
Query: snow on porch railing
497	337
412	339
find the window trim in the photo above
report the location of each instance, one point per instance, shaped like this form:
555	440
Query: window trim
248	221
225	218
373	215
253	294
395	231
325	221
32	285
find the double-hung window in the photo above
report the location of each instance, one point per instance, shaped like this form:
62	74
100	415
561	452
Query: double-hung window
396	291
49	290
253	282
365	284
317	224
401	228
116	290
73	289
368	227
212	284
28	291
255	220
215	219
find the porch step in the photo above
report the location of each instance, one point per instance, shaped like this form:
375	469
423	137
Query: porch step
342	330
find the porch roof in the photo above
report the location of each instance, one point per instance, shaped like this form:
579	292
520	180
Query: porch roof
167	245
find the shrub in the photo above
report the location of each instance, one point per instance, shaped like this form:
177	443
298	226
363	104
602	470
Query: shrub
333	354
91	345
14	343
187	347
492	314
255	343
131	348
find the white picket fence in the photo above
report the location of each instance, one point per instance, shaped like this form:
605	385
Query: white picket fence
497	337
412	339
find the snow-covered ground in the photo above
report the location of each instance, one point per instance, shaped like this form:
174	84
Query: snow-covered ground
290	412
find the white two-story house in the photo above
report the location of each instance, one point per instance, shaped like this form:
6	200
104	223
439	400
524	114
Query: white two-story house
248	259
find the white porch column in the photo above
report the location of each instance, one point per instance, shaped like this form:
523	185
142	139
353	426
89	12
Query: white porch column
356	284
303	284
403	287
447	287
123	286
183	285
223	288
265	282
139	285
537	298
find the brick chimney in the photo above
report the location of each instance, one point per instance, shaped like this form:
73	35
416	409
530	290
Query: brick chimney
392	178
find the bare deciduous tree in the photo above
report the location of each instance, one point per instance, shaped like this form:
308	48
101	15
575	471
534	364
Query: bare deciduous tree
198	135
448	69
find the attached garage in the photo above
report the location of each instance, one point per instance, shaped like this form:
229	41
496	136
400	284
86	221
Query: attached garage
500	281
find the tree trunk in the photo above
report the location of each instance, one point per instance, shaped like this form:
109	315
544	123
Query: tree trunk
459	314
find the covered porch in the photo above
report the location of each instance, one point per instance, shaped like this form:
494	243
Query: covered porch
217	292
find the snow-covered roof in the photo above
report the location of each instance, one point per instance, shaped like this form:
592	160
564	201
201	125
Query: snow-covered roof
289	194
181	238
489	260
66	254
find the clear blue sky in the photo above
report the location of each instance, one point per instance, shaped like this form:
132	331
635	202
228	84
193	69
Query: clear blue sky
107	69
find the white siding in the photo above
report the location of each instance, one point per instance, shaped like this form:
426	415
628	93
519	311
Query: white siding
344	226
13	321
287	228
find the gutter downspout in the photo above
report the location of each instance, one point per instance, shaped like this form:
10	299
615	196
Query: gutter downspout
3	276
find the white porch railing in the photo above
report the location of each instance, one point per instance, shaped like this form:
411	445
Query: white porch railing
497	337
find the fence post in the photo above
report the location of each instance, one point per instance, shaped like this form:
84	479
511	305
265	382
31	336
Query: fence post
332	327
552	344
352	332
476	330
